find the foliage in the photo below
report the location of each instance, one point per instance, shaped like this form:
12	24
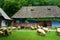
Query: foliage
1	3
44	19
12	6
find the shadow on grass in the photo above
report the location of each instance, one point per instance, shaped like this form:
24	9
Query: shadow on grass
40	34
58	34
1	36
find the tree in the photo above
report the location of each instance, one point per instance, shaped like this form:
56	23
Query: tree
1	3
10	7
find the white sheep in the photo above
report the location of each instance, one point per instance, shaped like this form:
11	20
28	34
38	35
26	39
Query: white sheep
1	32
9	27
19	27
40	27
41	31
9	31
32	28
3	29
14	28
58	30
45	29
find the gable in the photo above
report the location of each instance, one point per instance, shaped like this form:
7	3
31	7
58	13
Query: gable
2	13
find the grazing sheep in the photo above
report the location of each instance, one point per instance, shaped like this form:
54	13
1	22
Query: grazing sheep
45	29
9	31
58	31
5	31
14	28
32	28
35	27
9	28
3	28
19	27
40	27
1	33
41	31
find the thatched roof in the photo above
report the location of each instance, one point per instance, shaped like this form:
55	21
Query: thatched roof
37	12
2	13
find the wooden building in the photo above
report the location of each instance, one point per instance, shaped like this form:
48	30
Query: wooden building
3	18
48	15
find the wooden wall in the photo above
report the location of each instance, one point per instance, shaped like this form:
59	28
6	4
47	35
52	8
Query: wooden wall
45	24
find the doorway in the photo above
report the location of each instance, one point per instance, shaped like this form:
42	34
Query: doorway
44	24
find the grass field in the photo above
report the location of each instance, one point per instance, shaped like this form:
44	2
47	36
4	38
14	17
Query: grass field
30	35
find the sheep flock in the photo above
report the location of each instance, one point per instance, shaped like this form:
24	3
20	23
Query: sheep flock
40	30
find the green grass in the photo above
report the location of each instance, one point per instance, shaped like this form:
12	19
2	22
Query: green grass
27	35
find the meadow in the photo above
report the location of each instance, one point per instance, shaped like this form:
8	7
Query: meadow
30	35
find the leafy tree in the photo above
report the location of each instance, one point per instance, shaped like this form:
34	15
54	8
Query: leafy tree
1	3
12	6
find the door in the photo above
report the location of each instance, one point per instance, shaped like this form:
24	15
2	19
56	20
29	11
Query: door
3	24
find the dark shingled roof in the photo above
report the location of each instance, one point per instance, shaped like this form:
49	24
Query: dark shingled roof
37	12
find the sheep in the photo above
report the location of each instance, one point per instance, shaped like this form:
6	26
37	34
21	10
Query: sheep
5	31
9	28
19	27
1	33
58	31
35	27
45	29
40	26
41	31
32	28
3	28
14	28
9	31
